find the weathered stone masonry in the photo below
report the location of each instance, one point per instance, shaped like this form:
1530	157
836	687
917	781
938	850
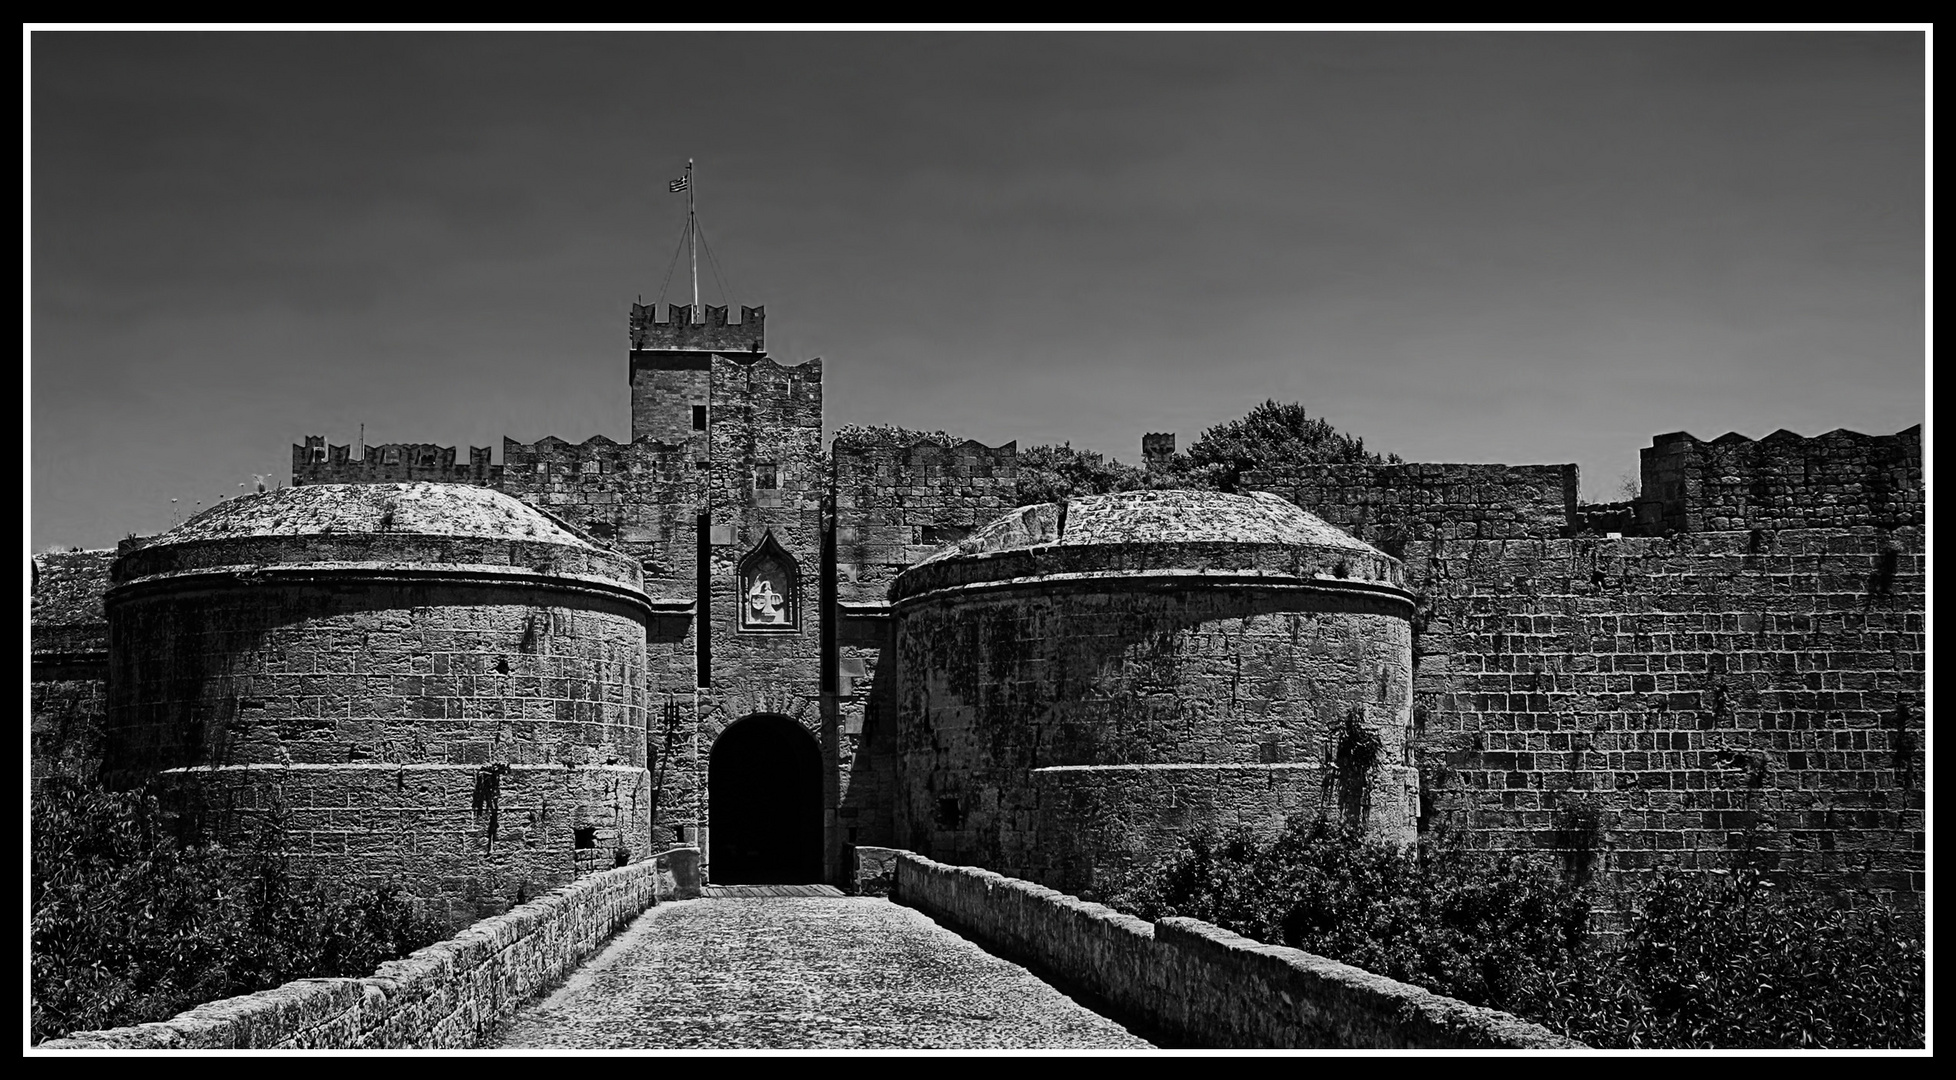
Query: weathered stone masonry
425	685
1737	673
895	506
1391	504
1842	479
68	673
1082	684
1645	701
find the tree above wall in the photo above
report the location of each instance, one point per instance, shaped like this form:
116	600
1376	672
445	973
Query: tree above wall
1273	437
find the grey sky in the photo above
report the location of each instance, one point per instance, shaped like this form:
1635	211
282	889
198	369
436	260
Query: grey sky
1517	247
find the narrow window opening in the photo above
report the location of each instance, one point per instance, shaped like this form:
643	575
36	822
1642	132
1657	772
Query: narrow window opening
699	418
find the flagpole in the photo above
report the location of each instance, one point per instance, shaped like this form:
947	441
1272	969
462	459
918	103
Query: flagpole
692	239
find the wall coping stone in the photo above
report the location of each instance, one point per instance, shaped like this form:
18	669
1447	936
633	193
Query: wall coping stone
1194	980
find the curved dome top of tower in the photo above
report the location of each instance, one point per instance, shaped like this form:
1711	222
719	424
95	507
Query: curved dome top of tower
387	529
421	508
1156	517
1162	534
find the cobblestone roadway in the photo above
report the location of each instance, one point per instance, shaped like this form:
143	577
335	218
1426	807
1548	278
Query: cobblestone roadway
803	972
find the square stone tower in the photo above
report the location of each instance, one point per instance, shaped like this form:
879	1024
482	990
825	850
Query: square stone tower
763	766
671	364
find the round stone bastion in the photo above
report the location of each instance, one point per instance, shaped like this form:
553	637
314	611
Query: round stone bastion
430	685
1083	684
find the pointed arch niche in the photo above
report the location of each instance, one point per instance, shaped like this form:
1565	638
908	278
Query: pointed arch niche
770	589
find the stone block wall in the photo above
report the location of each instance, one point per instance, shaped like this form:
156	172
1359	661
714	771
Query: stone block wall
767	485
895	505
68	643
1388	505
638	497
68	713
1688	702
711	332
1783	481
317	463
666	390
446	996
1601	519
642	499
1197	983
66	605
1070	734
477	743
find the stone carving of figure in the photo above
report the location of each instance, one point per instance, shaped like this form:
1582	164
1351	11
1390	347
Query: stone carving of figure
767	602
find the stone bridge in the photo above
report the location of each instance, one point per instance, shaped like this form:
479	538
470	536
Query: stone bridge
953	957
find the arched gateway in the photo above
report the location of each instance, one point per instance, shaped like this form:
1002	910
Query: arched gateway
764	792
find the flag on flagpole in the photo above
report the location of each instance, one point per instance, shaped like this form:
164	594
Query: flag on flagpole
680	184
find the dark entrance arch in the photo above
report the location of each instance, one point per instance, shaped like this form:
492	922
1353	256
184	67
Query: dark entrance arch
764	804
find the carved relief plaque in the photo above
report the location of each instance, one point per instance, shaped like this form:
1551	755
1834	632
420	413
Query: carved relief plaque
769	589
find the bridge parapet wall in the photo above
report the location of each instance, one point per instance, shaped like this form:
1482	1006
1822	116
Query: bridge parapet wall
448	995
1194	981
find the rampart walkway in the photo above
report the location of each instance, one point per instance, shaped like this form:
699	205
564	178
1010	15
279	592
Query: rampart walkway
802	972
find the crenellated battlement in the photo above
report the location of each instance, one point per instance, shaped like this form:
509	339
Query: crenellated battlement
1783	481
762	369
753	394
316	462
551	458
628	492
711	332
899	499
855	455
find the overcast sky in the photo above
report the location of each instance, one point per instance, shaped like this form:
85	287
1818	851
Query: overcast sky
1493	247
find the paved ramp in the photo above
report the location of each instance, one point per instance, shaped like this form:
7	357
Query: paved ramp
803	972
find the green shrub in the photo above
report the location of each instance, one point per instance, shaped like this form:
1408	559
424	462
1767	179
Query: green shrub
1705	960
129	925
1052	473
1734	960
1471	925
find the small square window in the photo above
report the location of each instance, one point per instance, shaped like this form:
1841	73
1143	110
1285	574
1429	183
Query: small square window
699	418
764	478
